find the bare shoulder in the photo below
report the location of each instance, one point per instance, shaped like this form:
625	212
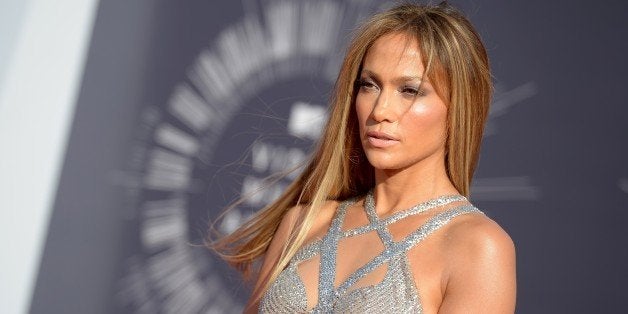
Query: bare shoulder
476	235
290	219
481	273
322	221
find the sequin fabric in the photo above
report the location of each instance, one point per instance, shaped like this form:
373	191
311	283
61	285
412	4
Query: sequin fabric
396	293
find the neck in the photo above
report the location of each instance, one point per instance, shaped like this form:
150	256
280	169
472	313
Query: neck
399	189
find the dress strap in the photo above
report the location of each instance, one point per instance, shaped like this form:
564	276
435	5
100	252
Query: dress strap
434	224
408	242
376	223
328	249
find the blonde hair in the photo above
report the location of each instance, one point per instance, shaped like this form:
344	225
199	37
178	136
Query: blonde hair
457	65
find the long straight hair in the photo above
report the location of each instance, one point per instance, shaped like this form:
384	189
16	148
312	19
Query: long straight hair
455	61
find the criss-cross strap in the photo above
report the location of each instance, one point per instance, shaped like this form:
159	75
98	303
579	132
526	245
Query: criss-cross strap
434	224
328	249
369	205
377	223
396	248
313	248
289	292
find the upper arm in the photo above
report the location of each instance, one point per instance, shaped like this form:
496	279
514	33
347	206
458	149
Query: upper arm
271	257
481	275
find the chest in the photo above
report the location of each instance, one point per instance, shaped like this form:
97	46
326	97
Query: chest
421	269
351	266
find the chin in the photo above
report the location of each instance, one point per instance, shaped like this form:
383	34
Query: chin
383	163
396	161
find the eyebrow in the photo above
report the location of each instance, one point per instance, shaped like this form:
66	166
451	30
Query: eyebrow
403	78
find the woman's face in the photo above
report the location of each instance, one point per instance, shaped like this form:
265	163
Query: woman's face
402	120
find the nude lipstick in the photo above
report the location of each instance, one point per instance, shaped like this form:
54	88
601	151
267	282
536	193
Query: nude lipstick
380	139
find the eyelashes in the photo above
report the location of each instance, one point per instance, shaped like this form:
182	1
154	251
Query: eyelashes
413	91
363	84
370	86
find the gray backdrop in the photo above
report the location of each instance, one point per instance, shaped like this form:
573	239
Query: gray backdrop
185	106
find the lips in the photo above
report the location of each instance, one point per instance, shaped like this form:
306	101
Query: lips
381	139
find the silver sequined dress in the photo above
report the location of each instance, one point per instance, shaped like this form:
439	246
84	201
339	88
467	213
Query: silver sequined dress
396	293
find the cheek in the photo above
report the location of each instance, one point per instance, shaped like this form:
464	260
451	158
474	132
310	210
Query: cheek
427	119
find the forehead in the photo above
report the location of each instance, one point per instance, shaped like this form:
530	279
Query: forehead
395	52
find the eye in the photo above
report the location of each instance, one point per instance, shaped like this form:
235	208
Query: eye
366	85
412	91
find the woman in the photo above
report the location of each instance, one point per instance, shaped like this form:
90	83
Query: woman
378	221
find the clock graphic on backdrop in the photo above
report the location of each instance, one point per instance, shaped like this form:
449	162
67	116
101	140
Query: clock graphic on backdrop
252	104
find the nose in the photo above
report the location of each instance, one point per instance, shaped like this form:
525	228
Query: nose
383	108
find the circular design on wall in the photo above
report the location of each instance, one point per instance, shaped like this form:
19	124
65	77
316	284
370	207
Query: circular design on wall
252	105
